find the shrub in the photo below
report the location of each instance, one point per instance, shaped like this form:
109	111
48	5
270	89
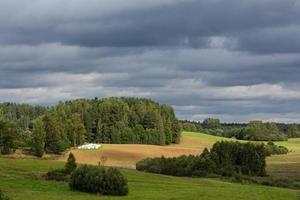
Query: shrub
57	175
272	149
3	196
98	180
281	182
62	174
71	164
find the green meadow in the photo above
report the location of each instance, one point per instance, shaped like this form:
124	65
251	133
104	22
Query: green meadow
22	179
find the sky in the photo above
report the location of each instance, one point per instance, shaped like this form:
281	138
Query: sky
234	60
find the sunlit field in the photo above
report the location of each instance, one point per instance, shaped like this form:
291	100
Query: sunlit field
126	155
22	179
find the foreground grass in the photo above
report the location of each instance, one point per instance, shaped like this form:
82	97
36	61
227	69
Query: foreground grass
20	179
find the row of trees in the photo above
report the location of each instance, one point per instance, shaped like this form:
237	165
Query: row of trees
254	130
259	131
225	158
22	115
111	120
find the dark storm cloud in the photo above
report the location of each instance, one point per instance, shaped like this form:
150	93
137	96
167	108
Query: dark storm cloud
188	23
236	60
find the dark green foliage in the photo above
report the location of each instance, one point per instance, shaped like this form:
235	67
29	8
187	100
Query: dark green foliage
211	123
189	127
291	130
21	114
8	137
75	130
71	123
62	174
3	196
71	164
38	138
225	158
57	175
55	138
235	157
273	149
259	131
267	180
125	120
99	180
280	182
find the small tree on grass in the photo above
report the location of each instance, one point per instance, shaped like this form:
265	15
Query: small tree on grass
71	164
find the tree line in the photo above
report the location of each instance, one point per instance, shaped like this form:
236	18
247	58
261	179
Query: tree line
71	123
254	130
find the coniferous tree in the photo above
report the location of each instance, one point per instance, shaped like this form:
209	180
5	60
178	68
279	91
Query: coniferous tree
76	130
54	140
71	164
38	136
8	137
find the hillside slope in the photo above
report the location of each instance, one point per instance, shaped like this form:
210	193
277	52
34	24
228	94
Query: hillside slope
126	155
20	179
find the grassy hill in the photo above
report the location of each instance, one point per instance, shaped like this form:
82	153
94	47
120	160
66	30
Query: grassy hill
21	179
126	155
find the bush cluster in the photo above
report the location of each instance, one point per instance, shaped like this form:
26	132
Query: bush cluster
3	196
96	179
62	174
57	175
269	181
273	149
225	158
281	182
179	166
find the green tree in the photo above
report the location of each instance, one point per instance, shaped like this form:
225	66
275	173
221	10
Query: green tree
38	137
8	137
70	164
55	142
76	130
293	131
211	123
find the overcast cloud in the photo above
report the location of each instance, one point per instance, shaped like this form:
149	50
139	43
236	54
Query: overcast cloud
235	60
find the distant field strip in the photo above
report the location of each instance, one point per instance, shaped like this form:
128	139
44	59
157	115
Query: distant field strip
126	155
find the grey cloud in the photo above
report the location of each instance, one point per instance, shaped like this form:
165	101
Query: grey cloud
236	60
188	23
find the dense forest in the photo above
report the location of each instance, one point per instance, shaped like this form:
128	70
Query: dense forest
254	130
71	123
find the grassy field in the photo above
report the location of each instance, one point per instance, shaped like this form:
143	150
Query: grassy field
288	165
126	155
21	179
